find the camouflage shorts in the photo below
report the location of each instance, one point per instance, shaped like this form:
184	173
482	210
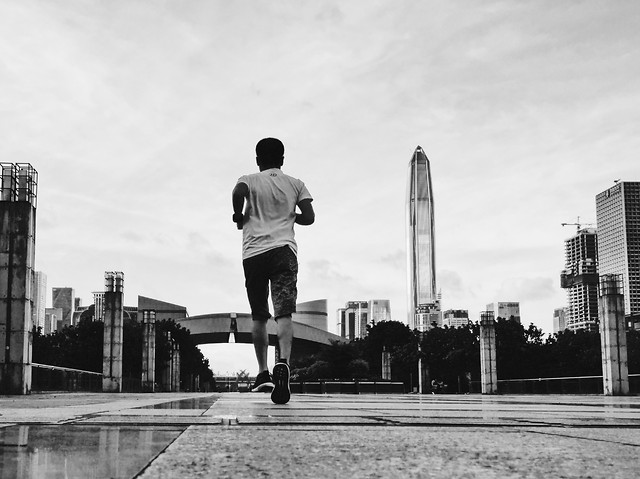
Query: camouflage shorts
279	268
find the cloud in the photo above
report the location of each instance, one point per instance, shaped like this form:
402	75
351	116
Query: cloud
397	260
526	289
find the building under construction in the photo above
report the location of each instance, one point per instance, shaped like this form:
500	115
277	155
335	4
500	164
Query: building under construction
580	279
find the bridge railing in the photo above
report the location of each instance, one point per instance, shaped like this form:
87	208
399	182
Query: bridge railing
45	377
347	387
562	385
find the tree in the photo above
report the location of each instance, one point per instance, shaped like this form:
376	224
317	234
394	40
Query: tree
452	353
192	361
80	347
396	338
77	347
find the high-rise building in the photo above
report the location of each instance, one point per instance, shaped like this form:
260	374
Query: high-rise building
53	320
379	310
580	279
454	318
423	304
64	298
98	301
505	310
618	222
352	320
559	319
39	299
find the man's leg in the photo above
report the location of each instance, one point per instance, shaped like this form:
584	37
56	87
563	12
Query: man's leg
260	343
285	336
284	293
257	284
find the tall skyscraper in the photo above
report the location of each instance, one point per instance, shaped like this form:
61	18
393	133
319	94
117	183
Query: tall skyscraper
39	299
63	298
424	304
580	279
618	221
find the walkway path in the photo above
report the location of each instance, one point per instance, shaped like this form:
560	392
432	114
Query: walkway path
245	435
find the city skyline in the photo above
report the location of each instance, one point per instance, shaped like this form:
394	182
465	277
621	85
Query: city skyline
139	118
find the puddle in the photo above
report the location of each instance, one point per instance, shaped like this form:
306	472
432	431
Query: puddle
192	403
69	451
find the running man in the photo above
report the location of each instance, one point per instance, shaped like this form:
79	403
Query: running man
264	208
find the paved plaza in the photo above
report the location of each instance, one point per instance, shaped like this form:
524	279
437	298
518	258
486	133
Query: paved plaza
173	435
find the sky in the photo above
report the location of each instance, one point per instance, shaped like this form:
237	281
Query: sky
139	117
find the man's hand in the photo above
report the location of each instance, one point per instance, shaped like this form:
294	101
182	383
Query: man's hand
238	219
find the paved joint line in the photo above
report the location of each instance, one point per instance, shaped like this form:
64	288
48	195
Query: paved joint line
593	439
385	421
159	453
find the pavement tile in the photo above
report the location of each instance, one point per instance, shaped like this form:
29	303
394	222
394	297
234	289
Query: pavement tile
245	435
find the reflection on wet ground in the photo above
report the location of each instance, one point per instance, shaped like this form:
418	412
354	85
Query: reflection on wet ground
70	451
194	403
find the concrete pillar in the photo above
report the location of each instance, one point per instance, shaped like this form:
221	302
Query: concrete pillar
613	336
167	365
113	327
18	185
148	350
386	363
175	368
488	369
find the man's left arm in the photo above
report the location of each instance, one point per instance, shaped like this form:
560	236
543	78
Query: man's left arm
240	192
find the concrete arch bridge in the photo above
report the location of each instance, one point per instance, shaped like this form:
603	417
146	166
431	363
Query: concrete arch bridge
217	328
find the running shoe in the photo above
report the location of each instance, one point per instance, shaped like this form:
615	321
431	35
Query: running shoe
263	383
281	392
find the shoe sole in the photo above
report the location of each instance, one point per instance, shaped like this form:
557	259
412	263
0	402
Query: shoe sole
281	392
263	388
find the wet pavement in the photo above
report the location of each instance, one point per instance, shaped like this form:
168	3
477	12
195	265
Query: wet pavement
245	435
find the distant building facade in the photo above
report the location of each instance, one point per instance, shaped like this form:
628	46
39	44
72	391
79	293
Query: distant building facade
98	302
428	316
455	318
64	298
559	320
163	309
38	313
580	279
379	310
506	310
312	313
618	222
52	320
352	319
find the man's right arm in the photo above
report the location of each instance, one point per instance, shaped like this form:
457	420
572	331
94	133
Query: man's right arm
306	216
240	192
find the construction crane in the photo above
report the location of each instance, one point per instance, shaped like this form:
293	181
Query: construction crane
578	225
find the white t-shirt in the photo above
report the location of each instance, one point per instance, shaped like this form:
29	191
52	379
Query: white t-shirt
270	213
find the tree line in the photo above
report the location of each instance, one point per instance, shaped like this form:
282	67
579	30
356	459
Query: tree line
80	347
453	354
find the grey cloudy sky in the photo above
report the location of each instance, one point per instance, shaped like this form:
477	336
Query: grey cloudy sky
140	115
